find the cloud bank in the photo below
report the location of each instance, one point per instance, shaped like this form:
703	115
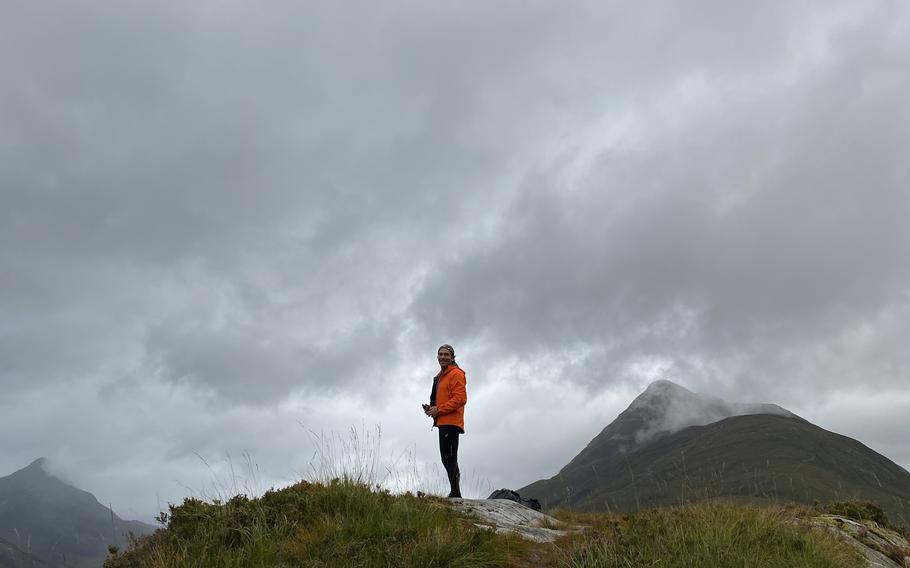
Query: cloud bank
220	221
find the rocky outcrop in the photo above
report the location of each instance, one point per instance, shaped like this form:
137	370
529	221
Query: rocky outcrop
505	516
882	547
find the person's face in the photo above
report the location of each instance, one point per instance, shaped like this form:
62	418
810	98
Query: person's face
444	358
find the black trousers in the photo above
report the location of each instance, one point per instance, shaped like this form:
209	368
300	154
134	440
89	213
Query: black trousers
448	451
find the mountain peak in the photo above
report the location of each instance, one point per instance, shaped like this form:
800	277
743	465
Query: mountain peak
663	387
670	440
662	394
743	457
36	469
666	407
662	409
38	464
57	519
664	384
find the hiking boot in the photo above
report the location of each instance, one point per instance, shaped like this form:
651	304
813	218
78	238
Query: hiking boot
455	482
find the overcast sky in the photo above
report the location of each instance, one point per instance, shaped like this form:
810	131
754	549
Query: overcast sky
229	229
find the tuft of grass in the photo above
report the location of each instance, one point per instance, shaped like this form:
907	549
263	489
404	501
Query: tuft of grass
716	534
358	455
341	523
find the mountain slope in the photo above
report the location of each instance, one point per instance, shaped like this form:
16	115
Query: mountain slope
752	458
56	522
662	409
11	556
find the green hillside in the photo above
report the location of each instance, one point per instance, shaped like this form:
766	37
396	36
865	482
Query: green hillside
344	524
754	458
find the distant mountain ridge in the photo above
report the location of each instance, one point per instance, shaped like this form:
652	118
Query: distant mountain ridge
672	445
56	524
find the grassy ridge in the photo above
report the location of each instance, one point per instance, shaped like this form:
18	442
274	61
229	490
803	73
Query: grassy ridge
341	523
345	523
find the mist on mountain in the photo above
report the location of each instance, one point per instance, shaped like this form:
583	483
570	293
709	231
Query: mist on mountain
672	446
61	525
666	407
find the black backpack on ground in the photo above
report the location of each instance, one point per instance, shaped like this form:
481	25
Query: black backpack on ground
514	496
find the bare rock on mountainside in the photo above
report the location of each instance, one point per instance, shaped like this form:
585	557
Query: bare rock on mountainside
881	546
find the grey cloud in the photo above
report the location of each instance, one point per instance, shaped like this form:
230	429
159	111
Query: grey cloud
812	240
244	364
251	204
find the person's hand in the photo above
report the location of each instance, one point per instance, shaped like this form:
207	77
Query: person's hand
432	411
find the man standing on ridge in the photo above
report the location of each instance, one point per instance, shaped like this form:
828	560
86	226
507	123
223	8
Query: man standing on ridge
447	401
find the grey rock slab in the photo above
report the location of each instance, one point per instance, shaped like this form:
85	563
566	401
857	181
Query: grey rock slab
868	537
505	516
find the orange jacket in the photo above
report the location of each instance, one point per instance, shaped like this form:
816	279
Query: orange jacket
451	397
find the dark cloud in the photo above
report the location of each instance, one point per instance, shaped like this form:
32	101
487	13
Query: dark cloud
219	220
750	227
